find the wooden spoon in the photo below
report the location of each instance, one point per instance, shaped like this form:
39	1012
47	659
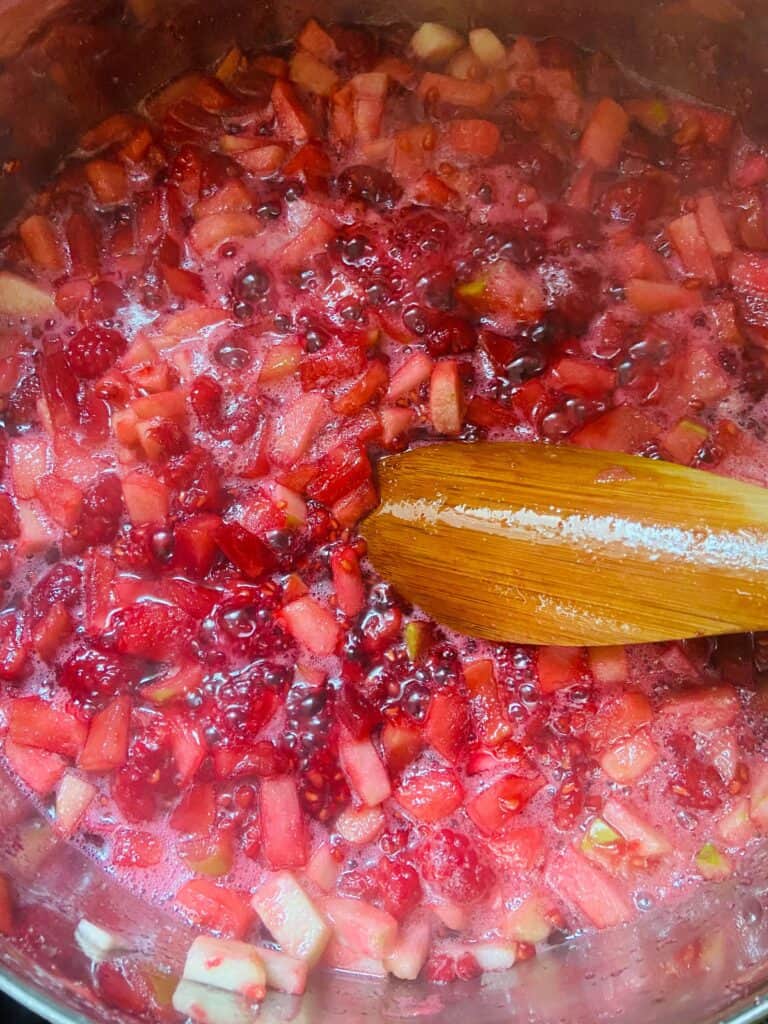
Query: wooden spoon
557	545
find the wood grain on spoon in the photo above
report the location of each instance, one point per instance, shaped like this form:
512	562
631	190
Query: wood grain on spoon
559	545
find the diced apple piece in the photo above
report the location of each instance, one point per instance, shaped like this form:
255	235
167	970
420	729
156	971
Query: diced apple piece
758	797
493	807
293	120
312	74
490	720
284	973
685	439
692	248
360	827
533	920
434	43
323	868
647	840
411	949
736	826
73	798
608	665
465	64
291	917
99	943
713	226
227	964
40	240
654	297
212	231
446	398
36	534
361	926
458	93
414	372
108	180
298	424
629	759
604	134
205	1005
348	581
589	888
283	835
315	40
702	709
20	297
146	498
364	770
312	625
487	46
498	955
713	863
345	958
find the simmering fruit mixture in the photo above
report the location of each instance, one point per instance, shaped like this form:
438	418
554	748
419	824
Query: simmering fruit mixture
220	314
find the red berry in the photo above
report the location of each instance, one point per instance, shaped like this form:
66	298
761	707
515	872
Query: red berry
93	350
451	863
9	520
87	674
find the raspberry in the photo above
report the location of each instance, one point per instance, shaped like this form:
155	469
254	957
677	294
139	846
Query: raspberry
399	886
449	861
60	585
87	673
100	516
370	185
93	350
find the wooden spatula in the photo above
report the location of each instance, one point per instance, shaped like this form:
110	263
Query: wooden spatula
557	545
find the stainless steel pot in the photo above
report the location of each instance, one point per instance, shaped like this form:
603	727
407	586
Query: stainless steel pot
63	66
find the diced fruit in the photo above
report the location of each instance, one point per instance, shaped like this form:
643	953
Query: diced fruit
206	1005
495	807
39	769
692	246
227	964
312	74
646	840
428	791
702	710
215	908
758	797
487	46
604	134
323	868
290	916
533	920
629	759
411	949
736	827
434	43
284	973
446	399
712	863
654	297
608	665
73	798
559	666
312	625
361	927
447	725
713	227
283	837
106	747
146	498
364	770
587	887
98	943
20	297
360	827
33	722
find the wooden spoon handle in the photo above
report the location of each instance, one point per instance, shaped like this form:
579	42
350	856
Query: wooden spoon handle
558	545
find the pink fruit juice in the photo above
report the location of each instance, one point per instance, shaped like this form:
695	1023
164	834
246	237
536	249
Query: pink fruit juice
213	322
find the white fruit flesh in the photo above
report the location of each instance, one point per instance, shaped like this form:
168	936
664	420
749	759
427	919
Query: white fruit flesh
362	927
98	943
411	950
435	43
291	917
20	297
487	46
210	1005
228	964
284	973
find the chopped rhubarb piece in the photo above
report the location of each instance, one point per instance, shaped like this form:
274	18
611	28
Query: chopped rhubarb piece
429	792
494	807
646	839
758	797
291	917
283	836
312	625
348	581
446	399
608	665
227	964
621	429
312	74
284	973
559	666
713	227
692	247
39	769
107	744
411	949
20	297
454	91
629	759
298	425
447	724
587	887
315	40
32	722
736	827
360	827
474	137
533	920
42	244
702	710
205	1005
146	498
365	772
654	297
362	927
293	120
604	134
208	905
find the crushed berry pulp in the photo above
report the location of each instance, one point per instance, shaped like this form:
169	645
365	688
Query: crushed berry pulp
219	315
